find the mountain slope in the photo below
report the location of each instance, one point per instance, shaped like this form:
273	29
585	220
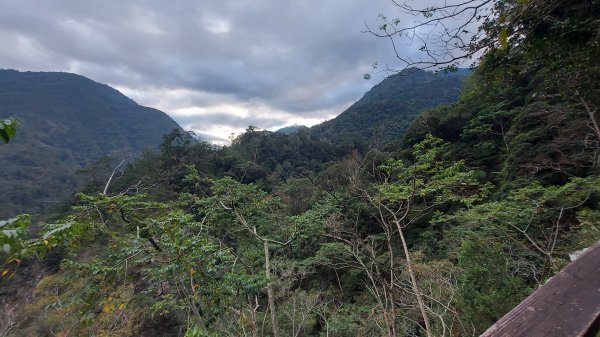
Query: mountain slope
288	130
388	109
67	122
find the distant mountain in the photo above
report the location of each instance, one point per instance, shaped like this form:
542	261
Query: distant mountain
389	108
67	122
288	130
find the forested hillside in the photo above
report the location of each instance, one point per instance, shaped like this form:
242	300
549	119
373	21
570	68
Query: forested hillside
439	234
388	109
67	122
288	130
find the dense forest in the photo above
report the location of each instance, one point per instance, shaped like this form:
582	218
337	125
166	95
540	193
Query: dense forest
67	123
387	110
438	233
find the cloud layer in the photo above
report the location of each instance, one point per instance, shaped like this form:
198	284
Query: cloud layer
216	66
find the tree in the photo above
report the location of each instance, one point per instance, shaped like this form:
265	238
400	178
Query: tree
410	193
402	195
129	243
260	218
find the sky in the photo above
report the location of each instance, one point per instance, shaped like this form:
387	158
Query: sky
215	66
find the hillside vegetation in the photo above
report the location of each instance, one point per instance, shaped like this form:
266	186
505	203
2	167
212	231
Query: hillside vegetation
67	122
439	233
388	109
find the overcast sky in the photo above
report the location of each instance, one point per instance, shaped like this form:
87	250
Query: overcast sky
215	66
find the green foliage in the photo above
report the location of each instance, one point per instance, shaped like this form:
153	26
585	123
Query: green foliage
525	108
430	178
268	158
8	129
478	205
66	123
13	233
542	218
389	108
158	242
488	286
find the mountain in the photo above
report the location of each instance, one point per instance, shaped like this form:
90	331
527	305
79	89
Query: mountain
480	203
288	130
67	122
389	108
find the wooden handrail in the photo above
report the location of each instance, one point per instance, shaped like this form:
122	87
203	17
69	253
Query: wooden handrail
568	305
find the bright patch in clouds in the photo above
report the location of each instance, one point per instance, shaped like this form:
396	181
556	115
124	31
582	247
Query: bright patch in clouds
216	118
216	25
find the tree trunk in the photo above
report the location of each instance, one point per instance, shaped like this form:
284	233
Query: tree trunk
413	281
270	295
253	322
591	114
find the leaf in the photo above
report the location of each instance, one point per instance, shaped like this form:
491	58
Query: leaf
60	228
10	233
503	38
8	129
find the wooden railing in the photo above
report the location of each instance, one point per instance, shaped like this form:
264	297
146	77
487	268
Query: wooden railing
568	305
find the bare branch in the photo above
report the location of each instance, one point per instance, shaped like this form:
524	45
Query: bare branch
112	175
448	35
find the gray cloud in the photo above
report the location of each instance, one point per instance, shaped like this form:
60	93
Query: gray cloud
201	122
206	62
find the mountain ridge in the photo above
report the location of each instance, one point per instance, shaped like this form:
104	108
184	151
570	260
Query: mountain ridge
67	122
387	110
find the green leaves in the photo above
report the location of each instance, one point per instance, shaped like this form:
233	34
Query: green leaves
487	286
503	38
430	179
8	129
12	234
16	242
534	226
